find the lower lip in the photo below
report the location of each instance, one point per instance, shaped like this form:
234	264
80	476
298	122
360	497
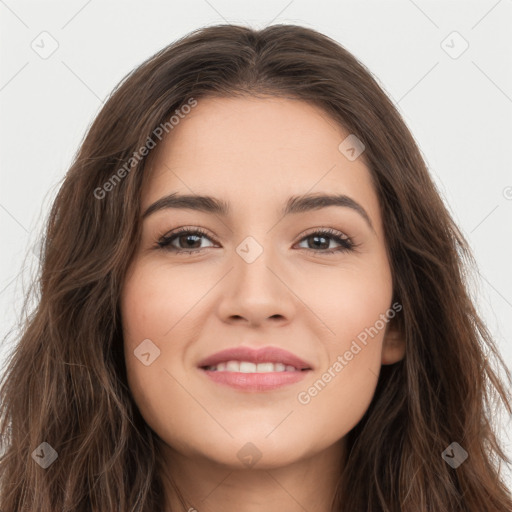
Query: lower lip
256	381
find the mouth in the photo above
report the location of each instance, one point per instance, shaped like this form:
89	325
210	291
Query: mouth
247	369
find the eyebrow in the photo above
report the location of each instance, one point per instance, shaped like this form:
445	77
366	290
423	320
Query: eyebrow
295	204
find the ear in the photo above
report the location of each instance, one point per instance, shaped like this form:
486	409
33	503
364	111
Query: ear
393	346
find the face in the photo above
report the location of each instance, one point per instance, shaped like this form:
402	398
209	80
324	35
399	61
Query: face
308	289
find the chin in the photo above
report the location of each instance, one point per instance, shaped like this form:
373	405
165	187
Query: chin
255	451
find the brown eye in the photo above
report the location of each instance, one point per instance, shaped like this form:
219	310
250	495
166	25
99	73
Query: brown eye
188	240
321	240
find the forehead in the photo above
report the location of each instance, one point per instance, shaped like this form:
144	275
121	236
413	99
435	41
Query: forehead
257	151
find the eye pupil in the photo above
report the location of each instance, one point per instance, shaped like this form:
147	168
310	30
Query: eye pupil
188	237
317	237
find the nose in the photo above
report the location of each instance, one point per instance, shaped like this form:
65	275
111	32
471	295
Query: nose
257	292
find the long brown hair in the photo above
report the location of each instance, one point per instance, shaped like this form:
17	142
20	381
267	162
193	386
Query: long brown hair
65	383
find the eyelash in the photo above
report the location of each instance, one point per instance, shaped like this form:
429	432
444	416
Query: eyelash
347	245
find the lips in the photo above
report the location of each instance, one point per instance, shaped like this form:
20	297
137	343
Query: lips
262	355
240	368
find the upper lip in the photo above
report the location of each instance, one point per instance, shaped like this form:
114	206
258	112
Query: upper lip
262	355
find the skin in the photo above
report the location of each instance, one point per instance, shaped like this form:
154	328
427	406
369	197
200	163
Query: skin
254	153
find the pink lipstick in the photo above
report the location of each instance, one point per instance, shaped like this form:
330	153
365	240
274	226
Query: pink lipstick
249	369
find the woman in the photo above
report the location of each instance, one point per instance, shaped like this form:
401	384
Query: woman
320	352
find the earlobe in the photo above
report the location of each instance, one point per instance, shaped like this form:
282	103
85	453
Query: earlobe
393	346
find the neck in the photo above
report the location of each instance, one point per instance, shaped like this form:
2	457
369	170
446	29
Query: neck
307	484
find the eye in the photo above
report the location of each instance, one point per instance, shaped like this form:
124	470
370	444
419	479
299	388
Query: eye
191	238
188	236
320	237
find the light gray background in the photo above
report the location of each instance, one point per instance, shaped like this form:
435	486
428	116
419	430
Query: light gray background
458	109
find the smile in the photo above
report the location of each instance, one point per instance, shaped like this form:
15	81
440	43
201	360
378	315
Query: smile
255	381
254	370
248	367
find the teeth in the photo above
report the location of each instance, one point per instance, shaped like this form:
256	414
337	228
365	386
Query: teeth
233	366
263	367
247	367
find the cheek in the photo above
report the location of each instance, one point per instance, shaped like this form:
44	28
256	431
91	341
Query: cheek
355	306
153	318
349	301
155	301
343	388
